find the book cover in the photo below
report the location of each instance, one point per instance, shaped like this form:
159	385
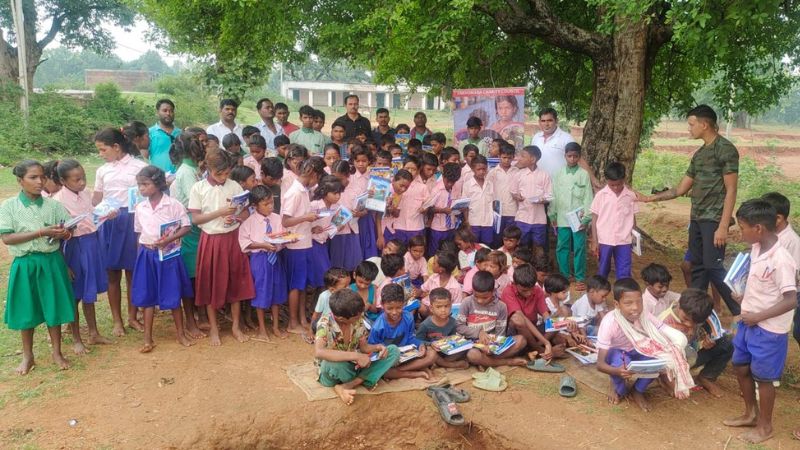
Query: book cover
501	344
282	237
103	209
381	172
584	354
461	203
407	353
497	215
377	193
451	345
636	243
341	217
361	202
71	224
736	278
134	198
491	163
173	249
649	368
402	139
574	218
716	331
397	164
405	282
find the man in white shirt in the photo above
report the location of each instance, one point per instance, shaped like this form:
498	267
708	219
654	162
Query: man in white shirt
227	121
267	126
551	140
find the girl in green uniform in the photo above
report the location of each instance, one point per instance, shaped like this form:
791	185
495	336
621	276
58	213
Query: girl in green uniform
39	288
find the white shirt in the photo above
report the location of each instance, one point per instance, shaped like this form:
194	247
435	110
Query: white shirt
220	131
584	308
789	239
552	150
267	134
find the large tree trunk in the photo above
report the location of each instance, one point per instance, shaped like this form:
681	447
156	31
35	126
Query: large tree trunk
614	123
9	63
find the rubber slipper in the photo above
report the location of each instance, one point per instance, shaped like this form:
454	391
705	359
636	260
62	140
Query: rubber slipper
447	408
458	395
541	365
567	387
491	380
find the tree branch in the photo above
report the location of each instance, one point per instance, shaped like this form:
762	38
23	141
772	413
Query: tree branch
540	22
55	28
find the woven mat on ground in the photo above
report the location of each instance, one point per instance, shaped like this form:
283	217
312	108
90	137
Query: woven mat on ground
588	374
305	377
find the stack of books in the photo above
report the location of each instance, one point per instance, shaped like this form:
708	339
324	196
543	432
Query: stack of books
649	368
498	345
584	354
407	353
736	278
451	345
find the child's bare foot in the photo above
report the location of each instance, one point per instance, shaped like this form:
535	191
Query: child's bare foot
416	374
533	355
519	362
147	348
195	333
184	340
756	435
559	351
263	337
79	348
25	366
204	326
297	329
60	361
710	386
239	335
280	333
745	420
347	395
613	397
136	325
118	330
98	339
213	339
639	399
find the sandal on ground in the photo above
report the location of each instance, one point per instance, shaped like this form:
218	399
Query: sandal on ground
541	365
447	408
491	380
458	395
567	387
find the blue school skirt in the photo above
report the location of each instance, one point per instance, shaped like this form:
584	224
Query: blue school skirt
298	267
118	241
320	263
345	251
269	280
367	236
83	257
159	283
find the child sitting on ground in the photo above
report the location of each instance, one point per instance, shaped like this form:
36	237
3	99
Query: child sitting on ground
415	260
511	237
393	267
526	308
657	297
592	304
482	314
335	279
439	324
629	333
396	327
762	340
556	286
364	277
342	350
688	315
444	264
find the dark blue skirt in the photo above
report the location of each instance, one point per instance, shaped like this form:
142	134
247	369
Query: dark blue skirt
83	257
118	241
346	251
320	263
367	236
159	283
269	280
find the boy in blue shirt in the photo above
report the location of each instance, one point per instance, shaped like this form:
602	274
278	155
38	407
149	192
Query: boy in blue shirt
396	327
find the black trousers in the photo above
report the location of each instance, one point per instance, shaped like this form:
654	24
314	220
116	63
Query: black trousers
715	358
707	262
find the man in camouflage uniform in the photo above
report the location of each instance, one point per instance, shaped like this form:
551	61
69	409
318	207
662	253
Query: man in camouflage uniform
712	177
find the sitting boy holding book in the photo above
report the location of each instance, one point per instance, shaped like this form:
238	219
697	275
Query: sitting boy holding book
441	324
396	327
526	308
482	314
689	315
342	350
629	334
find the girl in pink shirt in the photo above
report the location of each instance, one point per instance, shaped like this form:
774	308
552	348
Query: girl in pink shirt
400	183
295	155
368	234
115	180
410	220
331	154
416	266
345	246
326	198
159	277
82	252
266	265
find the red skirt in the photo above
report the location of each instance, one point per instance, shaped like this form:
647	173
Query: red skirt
223	271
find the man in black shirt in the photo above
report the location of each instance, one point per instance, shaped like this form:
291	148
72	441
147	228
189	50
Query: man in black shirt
353	120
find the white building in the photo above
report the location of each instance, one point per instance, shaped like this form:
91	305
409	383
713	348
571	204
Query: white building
332	93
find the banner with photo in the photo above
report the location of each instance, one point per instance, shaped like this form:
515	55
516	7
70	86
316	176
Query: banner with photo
501	110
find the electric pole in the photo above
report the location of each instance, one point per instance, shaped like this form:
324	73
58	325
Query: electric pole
22	53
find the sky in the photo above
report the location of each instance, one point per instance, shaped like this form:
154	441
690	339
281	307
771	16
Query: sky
131	44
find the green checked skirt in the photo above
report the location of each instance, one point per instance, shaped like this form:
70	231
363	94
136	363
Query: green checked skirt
39	291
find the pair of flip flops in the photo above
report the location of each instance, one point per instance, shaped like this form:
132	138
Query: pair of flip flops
446	398
567	386
490	380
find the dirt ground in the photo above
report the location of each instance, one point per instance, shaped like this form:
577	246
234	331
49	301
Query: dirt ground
238	396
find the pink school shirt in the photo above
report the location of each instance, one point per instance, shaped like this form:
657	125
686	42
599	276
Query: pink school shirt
415	268
296	203
656	306
251	162
480	205
610	335
148	219
531	183
113	179
77	203
411	201
254	230
286	182
322	222
443	200
348	200
434	281
772	274
615	215
501	180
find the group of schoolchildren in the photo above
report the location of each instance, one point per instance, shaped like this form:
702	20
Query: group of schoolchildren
361	315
